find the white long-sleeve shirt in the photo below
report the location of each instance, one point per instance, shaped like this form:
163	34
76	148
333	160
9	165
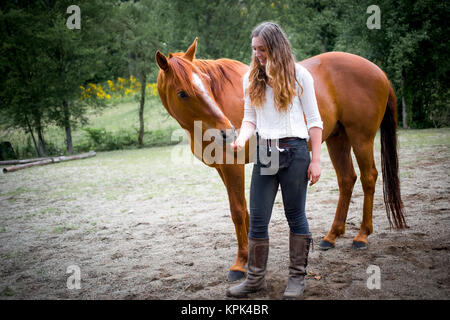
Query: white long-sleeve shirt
272	124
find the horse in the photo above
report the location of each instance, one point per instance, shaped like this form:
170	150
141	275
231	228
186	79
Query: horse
355	99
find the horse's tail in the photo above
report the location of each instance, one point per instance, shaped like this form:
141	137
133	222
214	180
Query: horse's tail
389	163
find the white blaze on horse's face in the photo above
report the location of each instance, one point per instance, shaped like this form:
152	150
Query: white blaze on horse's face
199	83
207	97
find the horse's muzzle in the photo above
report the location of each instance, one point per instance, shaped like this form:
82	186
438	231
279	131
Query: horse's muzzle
228	135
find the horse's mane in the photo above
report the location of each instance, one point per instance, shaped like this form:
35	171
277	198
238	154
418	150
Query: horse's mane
180	75
218	71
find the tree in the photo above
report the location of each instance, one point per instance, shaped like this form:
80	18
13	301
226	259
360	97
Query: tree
142	26
23	93
46	64
311	25
223	27
411	47
76	57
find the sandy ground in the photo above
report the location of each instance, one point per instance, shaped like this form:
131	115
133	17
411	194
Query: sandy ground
139	225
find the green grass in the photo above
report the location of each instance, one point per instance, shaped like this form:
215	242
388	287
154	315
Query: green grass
125	116
425	137
16	192
53	211
7	292
62	229
118	126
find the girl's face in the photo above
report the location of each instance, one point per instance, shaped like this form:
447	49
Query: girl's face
259	50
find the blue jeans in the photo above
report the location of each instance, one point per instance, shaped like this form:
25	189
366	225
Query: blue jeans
293	181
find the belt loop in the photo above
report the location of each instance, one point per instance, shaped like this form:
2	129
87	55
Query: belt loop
278	145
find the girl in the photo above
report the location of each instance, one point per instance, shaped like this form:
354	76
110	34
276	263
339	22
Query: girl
277	92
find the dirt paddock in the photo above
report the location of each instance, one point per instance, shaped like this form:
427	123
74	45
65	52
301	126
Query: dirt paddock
139	225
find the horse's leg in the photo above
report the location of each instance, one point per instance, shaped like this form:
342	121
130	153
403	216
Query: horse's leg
340	154
233	177
363	150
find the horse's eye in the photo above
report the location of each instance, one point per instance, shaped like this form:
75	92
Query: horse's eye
182	94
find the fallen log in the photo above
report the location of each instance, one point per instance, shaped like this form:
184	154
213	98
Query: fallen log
48	161
11	162
78	156
27	165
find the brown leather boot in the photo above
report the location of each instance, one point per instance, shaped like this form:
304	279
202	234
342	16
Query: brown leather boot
298	255
258	252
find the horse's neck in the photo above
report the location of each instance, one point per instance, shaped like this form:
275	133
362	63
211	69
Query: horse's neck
226	85
222	72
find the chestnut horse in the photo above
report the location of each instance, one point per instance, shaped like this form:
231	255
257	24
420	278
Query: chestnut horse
355	98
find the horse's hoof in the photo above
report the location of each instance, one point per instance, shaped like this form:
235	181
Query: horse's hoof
359	245
325	245
234	275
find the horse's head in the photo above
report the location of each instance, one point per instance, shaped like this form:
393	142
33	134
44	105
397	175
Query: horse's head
186	92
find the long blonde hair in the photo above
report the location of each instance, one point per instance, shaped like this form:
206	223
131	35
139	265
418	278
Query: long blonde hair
279	69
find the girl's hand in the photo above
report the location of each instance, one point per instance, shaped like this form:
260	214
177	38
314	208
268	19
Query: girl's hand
314	172
245	133
237	145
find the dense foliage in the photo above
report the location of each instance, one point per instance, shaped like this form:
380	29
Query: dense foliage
48	69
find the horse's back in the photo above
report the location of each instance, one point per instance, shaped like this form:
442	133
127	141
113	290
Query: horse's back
343	64
350	90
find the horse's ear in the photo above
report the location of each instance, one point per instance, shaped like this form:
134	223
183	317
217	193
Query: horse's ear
161	60
190	52
170	55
